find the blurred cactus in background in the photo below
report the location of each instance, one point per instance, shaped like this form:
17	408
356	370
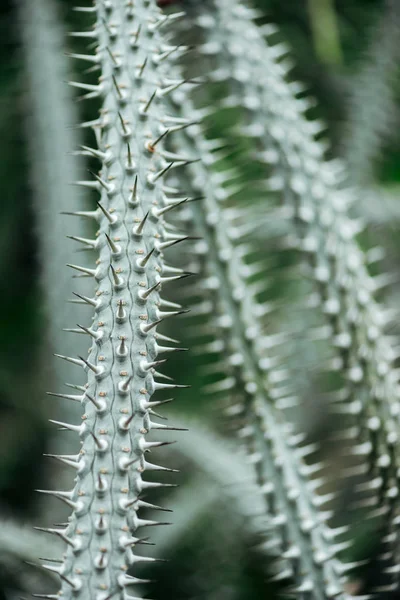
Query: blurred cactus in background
263	214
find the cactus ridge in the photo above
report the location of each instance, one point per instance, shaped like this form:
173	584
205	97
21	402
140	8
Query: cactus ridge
312	188
130	273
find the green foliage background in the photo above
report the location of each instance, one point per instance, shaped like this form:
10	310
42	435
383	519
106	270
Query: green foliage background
213	559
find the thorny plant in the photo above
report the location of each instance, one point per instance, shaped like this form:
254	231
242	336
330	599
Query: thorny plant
163	180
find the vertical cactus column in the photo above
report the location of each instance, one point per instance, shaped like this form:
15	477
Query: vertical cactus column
312	190
129	272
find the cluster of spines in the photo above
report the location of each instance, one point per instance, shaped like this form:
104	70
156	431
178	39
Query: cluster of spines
250	368
130	272
286	142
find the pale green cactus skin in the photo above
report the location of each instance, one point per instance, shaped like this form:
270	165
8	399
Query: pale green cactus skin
129	272
313	191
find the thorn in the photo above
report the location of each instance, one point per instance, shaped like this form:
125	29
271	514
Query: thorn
81	388
166	338
144	295
167	19
123	386
121	313
101	444
86	299
57	532
165	245
118	281
85	86
73	397
97	404
133	200
114	248
147	106
96	370
125	424
83	34
108	187
87	242
162	349
134	42
74	361
90	214
176	277
161	173
92	58
168	386
75	428
151	146
110	32
143	261
125	130
64	496
130	163
120	95
171	206
122	349
142	68
138	230
111	55
153	403
64	460
152	365
149	326
89	272
96	153
94	334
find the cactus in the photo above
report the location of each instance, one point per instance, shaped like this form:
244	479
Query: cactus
252	374
130	272
324	233
143	102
